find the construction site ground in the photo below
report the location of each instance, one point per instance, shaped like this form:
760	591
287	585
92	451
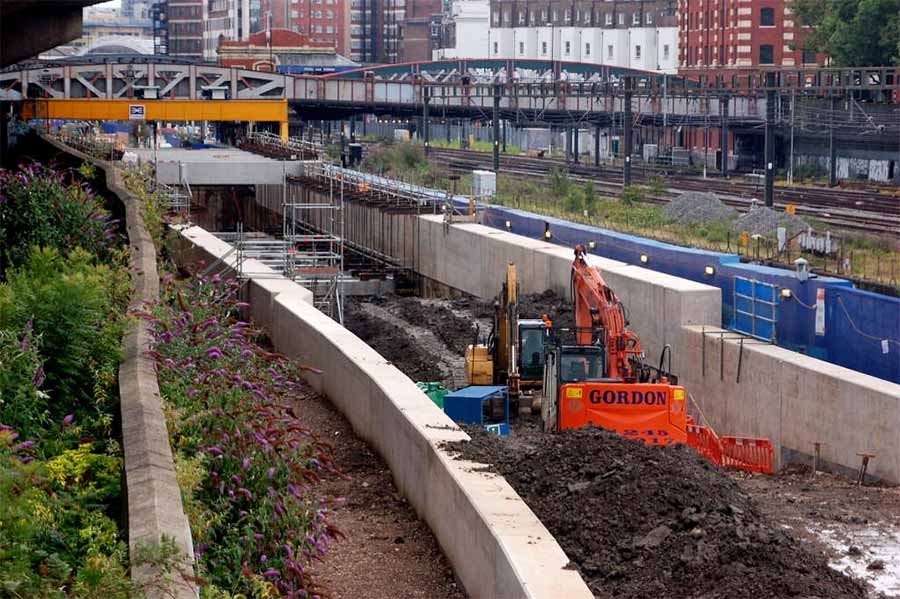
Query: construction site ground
640	521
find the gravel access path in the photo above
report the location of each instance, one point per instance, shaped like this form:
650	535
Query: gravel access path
386	552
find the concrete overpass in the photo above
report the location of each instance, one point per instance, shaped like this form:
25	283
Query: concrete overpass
28	27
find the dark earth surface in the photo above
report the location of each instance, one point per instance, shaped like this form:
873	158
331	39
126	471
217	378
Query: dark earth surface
641	521
636	521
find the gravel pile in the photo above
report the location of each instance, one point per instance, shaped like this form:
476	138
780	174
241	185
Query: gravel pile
764	221
695	208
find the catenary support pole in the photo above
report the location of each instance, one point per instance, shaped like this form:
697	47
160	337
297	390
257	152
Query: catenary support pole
626	132
723	135
832	149
496	128
769	152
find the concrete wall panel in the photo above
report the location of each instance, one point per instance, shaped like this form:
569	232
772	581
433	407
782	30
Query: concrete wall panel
495	543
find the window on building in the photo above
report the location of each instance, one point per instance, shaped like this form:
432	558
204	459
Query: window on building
544	15
521	47
766	54
496	18
329	29
665	51
637	52
555	16
587	49
621	18
522	17
609	51
496	48
568	48
649	18
635	18
329	14
809	57
295	13
767	17
543	48
587	17
609	18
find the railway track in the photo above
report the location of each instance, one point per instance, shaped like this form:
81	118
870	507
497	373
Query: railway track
856	210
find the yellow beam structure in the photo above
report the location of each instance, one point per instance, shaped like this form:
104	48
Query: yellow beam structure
160	110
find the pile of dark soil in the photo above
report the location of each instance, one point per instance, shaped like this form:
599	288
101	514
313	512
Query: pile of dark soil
394	344
450	327
556	307
641	521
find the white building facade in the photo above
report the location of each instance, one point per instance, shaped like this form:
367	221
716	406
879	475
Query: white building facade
464	31
638	34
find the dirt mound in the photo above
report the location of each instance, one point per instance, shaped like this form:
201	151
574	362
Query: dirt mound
557	308
440	316
641	522
393	344
695	208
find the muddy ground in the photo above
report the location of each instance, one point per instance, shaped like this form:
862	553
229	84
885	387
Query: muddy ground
427	338
642	522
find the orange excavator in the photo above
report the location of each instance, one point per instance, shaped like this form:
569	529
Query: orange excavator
595	374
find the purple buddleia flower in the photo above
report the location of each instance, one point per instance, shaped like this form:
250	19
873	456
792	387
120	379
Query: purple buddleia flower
271	573
38	379
68	420
215	451
214	353
245	464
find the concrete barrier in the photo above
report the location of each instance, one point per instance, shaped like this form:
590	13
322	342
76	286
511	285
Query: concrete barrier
154	503
792	399
498	547
473	258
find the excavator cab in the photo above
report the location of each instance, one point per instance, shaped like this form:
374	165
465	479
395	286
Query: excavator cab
532	346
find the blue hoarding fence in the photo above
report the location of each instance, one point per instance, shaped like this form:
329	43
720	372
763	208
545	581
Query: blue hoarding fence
755	308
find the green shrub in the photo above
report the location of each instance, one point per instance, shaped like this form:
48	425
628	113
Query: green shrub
71	304
559	184
22	405
632	195
55	539
39	208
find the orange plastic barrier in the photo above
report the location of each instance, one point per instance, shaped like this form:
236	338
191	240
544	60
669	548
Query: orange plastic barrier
705	441
748	453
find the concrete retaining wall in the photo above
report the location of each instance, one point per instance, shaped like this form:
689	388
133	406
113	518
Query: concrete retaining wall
793	399
153	497
497	546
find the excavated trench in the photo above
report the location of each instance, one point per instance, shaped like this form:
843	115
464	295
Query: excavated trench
636	521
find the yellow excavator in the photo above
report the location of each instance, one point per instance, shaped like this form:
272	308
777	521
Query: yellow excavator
513	354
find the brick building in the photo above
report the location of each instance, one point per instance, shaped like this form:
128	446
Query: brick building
419	29
184	27
735	35
322	21
283	51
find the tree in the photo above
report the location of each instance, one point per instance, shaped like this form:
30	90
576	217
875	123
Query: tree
856	33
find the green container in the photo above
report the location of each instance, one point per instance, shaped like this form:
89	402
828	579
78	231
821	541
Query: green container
435	391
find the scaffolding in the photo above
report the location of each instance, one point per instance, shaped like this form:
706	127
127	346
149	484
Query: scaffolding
311	255
315	254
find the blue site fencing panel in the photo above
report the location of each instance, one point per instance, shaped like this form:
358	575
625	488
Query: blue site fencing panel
794	329
755	308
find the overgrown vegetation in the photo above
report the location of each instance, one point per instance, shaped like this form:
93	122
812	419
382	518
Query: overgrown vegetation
63	291
406	162
246	465
853	33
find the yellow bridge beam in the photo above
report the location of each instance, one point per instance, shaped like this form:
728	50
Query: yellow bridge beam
160	110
